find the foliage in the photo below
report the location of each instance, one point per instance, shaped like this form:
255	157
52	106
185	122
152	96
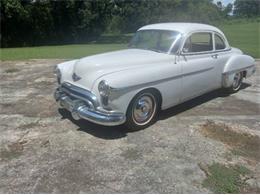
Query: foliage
48	22
41	22
240	33
128	15
246	8
37	22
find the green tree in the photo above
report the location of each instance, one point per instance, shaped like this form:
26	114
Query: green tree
128	15
228	9
14	20
246	8
40	22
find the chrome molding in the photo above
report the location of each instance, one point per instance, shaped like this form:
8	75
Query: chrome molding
99	117
75	77
81	109
113	89
79	93
206	52
239	70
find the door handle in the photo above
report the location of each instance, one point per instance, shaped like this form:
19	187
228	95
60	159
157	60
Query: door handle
215	56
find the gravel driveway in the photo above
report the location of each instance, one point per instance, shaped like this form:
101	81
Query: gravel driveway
43	150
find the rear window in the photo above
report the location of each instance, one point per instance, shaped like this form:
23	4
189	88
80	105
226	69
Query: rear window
219	43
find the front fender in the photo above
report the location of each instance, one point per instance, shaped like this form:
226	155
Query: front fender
66	69
124	86
164	77
237	63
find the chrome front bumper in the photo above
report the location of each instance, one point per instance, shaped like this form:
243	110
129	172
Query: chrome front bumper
83	105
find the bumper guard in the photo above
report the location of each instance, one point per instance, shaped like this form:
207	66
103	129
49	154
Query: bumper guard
83	110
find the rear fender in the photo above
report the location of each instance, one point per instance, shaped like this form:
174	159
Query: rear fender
237	63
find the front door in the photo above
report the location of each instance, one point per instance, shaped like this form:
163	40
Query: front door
198	63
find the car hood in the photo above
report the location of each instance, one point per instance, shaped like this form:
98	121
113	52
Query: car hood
91	68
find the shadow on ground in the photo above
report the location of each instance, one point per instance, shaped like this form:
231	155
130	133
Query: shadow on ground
116	132
104	132
196	102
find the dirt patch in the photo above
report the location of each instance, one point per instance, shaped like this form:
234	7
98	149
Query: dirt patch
13	150
30	125
37	106
64	155
131	154
243	144
12	70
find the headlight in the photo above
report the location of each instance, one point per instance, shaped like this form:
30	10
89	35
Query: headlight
104	88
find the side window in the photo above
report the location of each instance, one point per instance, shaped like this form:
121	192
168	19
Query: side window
198	42
219	43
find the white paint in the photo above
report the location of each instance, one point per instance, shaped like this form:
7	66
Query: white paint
177	77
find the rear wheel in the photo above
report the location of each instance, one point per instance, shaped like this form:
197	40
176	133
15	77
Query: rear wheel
142	110
237	82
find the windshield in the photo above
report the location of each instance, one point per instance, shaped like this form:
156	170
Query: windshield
155	40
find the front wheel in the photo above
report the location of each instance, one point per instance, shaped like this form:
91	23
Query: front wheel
237	82
142	110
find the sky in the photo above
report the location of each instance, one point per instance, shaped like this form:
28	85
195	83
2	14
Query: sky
225	2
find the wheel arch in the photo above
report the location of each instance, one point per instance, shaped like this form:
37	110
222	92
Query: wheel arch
236	63
152	89
131	121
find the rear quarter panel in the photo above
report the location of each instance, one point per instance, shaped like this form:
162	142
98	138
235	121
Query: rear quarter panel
237	63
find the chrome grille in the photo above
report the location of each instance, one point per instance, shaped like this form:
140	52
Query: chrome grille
75	92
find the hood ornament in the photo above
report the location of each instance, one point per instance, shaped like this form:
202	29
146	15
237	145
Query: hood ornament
75	77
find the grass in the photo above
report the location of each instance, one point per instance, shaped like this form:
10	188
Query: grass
244	35
232	178
62	52
226	179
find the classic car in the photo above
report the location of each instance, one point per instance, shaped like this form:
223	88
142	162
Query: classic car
165	64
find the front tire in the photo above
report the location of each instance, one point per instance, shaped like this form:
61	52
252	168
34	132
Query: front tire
143	110
237	82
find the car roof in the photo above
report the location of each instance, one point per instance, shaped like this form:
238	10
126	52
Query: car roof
183	28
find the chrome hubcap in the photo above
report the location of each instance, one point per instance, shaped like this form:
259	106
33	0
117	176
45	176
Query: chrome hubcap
237	81
144	109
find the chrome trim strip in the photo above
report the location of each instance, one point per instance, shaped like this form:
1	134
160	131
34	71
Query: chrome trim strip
79	93
207	52
162	80
100	118
212	32
199	71
238	70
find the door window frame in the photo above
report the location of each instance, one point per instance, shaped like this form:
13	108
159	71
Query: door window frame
221	37
227	48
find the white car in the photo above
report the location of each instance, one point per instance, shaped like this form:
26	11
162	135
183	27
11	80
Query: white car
165	64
